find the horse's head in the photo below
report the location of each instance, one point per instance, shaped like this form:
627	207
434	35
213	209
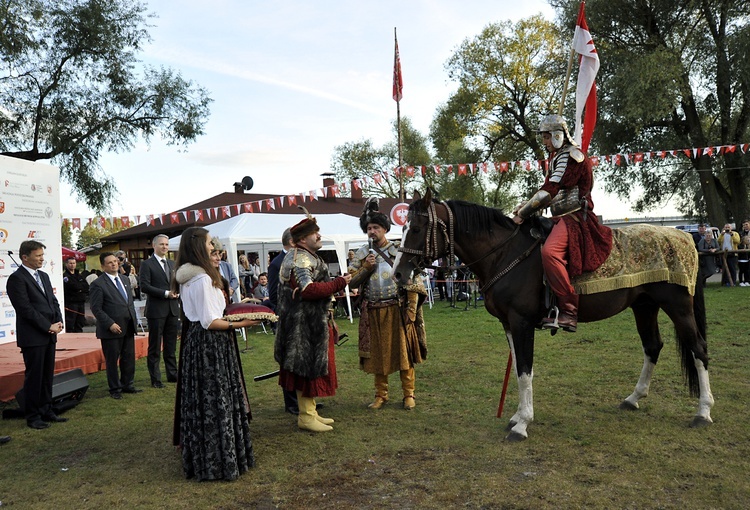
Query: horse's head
420	242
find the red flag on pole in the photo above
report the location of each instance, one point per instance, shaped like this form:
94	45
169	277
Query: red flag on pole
583	44
398	79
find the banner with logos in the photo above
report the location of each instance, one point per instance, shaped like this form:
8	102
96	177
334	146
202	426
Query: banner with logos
29	209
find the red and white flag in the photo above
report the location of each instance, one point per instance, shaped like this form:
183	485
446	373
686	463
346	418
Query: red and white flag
398	79
583	44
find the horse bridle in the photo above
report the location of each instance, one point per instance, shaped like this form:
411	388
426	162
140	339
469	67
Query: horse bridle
430	253
434	224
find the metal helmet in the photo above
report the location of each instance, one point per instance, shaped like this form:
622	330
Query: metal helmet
556	126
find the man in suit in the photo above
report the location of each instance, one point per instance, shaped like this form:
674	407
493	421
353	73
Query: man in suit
290	397
38	321
162	311
112	304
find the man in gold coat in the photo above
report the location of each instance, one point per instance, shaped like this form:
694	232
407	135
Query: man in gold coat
391	328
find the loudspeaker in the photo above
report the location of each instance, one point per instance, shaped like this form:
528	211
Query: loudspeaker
68	388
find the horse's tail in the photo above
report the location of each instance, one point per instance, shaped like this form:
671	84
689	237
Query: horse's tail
688	347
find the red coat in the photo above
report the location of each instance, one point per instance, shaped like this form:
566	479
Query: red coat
589	242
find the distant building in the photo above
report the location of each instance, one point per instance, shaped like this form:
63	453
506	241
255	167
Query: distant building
136	241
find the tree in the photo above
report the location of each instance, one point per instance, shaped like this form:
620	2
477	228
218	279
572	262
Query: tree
92	233
70	89
509	77
674	74
66	235
362	159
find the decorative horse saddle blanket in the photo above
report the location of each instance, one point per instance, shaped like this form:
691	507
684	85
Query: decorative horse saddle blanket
643	254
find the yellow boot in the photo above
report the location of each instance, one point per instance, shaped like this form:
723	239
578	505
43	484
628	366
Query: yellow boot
325	421
381	391
407	385
306	419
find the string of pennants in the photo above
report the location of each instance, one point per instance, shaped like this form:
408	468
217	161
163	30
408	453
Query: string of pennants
270	204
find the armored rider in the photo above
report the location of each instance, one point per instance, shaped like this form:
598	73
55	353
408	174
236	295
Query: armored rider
578	242
391	328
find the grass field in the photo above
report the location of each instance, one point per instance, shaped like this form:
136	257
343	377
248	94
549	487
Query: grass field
582	451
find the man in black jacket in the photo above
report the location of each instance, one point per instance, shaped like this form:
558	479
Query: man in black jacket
76	289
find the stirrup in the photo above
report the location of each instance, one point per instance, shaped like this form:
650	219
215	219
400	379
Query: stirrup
552	315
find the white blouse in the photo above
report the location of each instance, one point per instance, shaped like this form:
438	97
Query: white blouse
201	301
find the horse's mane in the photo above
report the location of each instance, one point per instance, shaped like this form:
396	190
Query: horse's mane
477	218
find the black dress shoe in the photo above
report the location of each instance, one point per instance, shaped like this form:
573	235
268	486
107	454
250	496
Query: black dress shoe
292	410
157	384
116	396
4	439
38	424
53	418
131	390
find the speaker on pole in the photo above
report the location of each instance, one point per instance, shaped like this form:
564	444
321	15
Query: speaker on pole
68	389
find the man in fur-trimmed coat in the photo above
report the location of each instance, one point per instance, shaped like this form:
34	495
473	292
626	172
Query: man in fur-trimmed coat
306	332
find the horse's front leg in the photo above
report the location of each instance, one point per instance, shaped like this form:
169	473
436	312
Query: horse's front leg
522	365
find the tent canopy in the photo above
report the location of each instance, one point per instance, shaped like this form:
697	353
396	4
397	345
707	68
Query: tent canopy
261	232
67	253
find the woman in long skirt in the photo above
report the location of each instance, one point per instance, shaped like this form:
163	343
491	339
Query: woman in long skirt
212	412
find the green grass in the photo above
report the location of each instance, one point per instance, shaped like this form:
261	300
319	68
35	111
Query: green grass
582	451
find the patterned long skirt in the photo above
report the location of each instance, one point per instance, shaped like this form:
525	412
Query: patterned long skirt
214	421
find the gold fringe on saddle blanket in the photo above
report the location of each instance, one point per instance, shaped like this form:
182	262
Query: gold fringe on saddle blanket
643	254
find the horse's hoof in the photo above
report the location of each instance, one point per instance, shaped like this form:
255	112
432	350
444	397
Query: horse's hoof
628	406
700	422
515	437
510	426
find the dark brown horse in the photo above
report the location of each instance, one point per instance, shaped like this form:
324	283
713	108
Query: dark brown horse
507	260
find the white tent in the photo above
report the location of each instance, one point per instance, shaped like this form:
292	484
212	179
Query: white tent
261	233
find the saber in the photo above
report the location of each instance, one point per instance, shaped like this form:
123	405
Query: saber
270	375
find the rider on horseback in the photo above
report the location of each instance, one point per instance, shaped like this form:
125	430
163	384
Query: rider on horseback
578	242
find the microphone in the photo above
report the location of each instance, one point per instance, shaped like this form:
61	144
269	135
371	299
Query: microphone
369	243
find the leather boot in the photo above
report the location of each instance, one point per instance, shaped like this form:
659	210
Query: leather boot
325	421
407	385
568	319
306	419
381	391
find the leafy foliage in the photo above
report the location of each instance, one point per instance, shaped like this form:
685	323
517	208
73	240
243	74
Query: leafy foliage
674	74
72	88
362	159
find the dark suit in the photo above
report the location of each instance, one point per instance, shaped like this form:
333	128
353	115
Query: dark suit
162	314
110	307
36	311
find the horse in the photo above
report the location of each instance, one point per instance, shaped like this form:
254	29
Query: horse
506	258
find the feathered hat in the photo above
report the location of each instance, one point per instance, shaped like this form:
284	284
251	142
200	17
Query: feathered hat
305	227
371	214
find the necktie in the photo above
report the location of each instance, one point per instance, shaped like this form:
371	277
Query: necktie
166	268
121	288
39	281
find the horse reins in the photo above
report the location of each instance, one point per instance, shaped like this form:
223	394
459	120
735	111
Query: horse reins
435	224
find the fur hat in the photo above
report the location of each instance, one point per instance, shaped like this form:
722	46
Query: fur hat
371	214
305	227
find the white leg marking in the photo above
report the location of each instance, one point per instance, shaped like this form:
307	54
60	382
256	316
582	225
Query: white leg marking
644	381
525	413
706	401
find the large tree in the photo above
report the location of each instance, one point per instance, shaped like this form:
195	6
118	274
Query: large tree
674	75
509	76
71	88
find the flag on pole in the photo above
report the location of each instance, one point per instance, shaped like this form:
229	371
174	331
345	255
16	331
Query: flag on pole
398	80
583	44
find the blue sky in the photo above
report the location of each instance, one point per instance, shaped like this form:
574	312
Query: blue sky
291	80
